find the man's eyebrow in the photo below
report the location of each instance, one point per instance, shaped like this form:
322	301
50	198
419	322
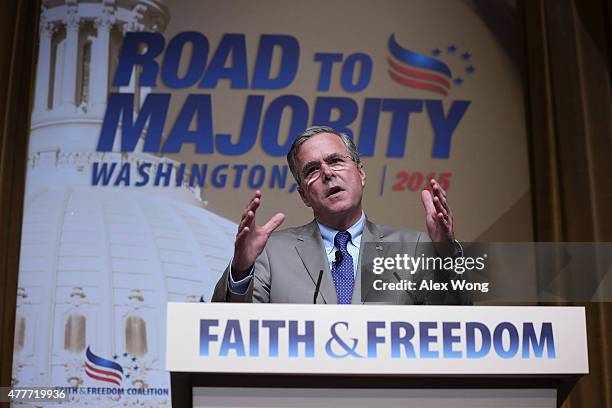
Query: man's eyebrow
310	164
333	156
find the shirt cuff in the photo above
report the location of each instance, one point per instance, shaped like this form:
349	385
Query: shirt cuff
459	248
239	287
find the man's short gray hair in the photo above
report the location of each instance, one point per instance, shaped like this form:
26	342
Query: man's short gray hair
313	131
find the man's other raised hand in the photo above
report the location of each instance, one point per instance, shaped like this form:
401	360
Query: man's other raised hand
439	216
251	238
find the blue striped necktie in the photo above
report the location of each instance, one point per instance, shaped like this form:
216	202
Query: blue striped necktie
342	270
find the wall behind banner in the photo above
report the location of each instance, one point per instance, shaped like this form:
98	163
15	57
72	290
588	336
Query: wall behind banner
486	166
424	88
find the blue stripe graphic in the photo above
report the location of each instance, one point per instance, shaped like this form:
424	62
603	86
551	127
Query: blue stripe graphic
102	361
417	60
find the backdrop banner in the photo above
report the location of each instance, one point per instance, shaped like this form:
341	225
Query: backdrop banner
155	121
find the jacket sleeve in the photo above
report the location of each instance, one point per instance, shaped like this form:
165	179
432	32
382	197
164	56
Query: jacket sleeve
258	290
439	275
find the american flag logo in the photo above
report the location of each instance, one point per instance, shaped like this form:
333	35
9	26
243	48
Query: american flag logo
414	70
102	369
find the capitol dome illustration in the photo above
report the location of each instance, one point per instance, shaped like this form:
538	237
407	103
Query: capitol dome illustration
98	264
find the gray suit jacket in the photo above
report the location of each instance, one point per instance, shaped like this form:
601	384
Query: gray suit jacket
288	268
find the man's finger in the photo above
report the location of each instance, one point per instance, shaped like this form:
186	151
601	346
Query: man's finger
247	208
274	222
439	192
437	188
427	201
243	220
241	236
255	196
254	205
444	221
246	220
447	209
442	197
439	207
444	202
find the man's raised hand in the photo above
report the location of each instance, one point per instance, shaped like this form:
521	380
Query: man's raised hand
439	216
251	238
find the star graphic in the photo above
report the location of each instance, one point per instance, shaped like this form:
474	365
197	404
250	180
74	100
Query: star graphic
436	52
133	358
458	81
115	357
466	56
451	49
124	354
470	69
135	367
127	376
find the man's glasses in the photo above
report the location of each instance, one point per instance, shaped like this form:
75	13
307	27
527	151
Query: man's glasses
336	162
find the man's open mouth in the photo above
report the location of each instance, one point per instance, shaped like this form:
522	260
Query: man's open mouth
334	190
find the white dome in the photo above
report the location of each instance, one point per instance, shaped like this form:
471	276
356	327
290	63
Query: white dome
98	264
108	254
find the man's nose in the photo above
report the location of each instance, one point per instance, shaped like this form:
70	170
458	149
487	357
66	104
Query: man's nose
327	172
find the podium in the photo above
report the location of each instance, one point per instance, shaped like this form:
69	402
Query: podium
277	355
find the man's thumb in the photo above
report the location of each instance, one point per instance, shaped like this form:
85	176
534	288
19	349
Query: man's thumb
274	222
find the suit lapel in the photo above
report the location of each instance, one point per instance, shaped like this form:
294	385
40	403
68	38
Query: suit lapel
371	234
312	252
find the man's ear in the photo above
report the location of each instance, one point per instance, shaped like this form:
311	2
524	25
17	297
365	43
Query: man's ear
303	196
362	175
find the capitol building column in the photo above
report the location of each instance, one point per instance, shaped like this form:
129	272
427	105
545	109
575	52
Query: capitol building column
41	101
99	79
69	66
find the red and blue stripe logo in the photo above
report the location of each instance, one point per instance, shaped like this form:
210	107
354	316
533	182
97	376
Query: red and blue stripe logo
420	71
102	369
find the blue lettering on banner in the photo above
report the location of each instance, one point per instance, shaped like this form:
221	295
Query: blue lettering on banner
289	49
401	335
199	53
232	339
397	340
208	66
199	106
450	339
300	335
346	349
427	339
164	174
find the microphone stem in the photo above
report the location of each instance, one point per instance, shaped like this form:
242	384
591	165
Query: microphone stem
317	287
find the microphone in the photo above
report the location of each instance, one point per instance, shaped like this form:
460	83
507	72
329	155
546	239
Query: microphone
338	257
317	287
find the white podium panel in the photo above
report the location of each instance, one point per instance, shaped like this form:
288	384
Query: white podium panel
356	339
215	397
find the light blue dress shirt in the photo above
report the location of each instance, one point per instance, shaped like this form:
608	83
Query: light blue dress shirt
327	234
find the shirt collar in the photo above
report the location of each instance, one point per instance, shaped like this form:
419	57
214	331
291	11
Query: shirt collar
328	234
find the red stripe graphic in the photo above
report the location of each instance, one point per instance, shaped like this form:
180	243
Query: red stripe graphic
103	372
417	84
418	74
95	377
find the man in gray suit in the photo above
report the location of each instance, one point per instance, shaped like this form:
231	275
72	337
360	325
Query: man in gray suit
285	266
